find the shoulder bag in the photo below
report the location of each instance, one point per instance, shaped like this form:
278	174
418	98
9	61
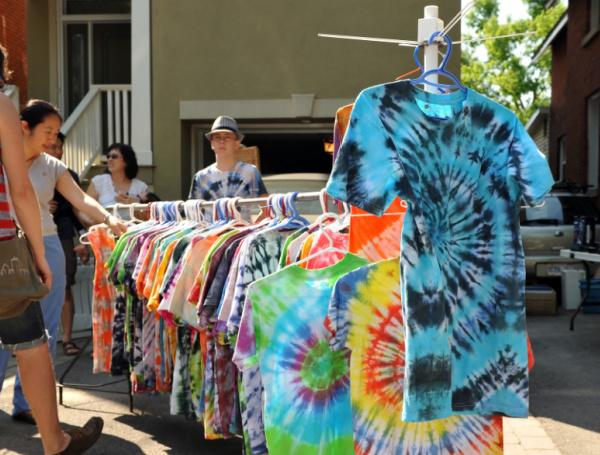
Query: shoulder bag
19	282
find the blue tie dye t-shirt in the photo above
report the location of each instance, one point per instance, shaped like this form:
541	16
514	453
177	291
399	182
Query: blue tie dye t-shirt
463	164
243	181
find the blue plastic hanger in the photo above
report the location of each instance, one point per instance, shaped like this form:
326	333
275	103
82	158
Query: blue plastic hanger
276	205
293	220
422	79
219	216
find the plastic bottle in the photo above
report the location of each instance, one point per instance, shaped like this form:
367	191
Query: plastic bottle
581	233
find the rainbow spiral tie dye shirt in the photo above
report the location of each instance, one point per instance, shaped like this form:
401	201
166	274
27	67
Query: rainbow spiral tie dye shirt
307	388
365	316
463	164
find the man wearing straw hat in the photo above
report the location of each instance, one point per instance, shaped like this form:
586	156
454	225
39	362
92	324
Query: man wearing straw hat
228	177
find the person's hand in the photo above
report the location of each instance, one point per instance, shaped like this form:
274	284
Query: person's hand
116	225
83	252
52	205
126	199
43	270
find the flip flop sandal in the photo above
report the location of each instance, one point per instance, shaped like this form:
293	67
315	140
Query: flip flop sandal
70	348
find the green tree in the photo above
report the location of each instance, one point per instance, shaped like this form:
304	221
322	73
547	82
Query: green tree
502	69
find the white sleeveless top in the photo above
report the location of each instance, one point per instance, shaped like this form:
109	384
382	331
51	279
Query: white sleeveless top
106	191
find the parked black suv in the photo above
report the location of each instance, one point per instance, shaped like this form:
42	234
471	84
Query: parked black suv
548	227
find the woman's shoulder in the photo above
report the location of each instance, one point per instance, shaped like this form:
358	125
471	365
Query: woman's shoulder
50	161
138	186
102	182
101	178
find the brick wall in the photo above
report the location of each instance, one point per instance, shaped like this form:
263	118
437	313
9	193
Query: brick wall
558	125
13	36
575	77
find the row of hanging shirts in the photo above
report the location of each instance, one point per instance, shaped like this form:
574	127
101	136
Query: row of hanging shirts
195	337
168	304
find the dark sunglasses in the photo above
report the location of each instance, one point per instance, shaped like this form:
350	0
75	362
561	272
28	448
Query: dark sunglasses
113	156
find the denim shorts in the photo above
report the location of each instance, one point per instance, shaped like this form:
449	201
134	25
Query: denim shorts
24	332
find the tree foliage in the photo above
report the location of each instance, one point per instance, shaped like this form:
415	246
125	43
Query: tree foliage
502	69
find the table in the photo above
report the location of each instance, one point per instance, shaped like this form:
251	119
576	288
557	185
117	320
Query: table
586	258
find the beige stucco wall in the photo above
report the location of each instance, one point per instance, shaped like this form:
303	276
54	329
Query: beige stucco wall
41	50
268	50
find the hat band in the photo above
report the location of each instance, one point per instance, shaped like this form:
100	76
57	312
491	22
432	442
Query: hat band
225	128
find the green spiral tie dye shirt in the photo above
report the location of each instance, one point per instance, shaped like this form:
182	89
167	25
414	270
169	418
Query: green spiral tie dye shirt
306	385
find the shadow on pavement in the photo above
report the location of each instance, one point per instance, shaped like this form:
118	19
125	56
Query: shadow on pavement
565	380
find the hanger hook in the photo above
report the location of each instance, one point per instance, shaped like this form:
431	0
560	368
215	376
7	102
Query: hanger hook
322	196
115	210
448	51
291	203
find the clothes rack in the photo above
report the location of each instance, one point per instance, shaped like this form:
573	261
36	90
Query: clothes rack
96	387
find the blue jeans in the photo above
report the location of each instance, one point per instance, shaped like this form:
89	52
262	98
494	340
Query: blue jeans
51	306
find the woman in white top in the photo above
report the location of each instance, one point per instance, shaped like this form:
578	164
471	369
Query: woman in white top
119	184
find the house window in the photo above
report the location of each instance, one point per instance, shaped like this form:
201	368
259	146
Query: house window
562	157
593	140
99	6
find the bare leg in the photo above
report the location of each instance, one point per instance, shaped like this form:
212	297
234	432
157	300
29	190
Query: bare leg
37	380
66	317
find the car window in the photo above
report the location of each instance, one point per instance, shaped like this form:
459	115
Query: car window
578	206
559	210
550	212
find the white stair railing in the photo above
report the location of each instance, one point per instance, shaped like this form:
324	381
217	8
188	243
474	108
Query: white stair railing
91	122
12	91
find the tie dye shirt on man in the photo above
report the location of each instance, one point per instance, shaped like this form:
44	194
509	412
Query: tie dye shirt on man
463	273
365	316
307	390
243	181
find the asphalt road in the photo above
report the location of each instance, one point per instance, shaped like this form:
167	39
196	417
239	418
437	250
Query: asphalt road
565	380
565	399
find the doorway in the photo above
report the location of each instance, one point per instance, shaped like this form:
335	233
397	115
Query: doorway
96	53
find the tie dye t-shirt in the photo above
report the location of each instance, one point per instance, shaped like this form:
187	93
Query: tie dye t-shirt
307	390
463	272
365	316
243	180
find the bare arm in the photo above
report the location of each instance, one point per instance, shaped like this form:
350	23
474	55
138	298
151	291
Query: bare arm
22	193
86	204
92	191
86	220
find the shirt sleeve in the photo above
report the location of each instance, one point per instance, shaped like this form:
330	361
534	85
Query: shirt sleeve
339	316
194	188
367	170
99	183
58	168
260	185
528	167
245	354
138	187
